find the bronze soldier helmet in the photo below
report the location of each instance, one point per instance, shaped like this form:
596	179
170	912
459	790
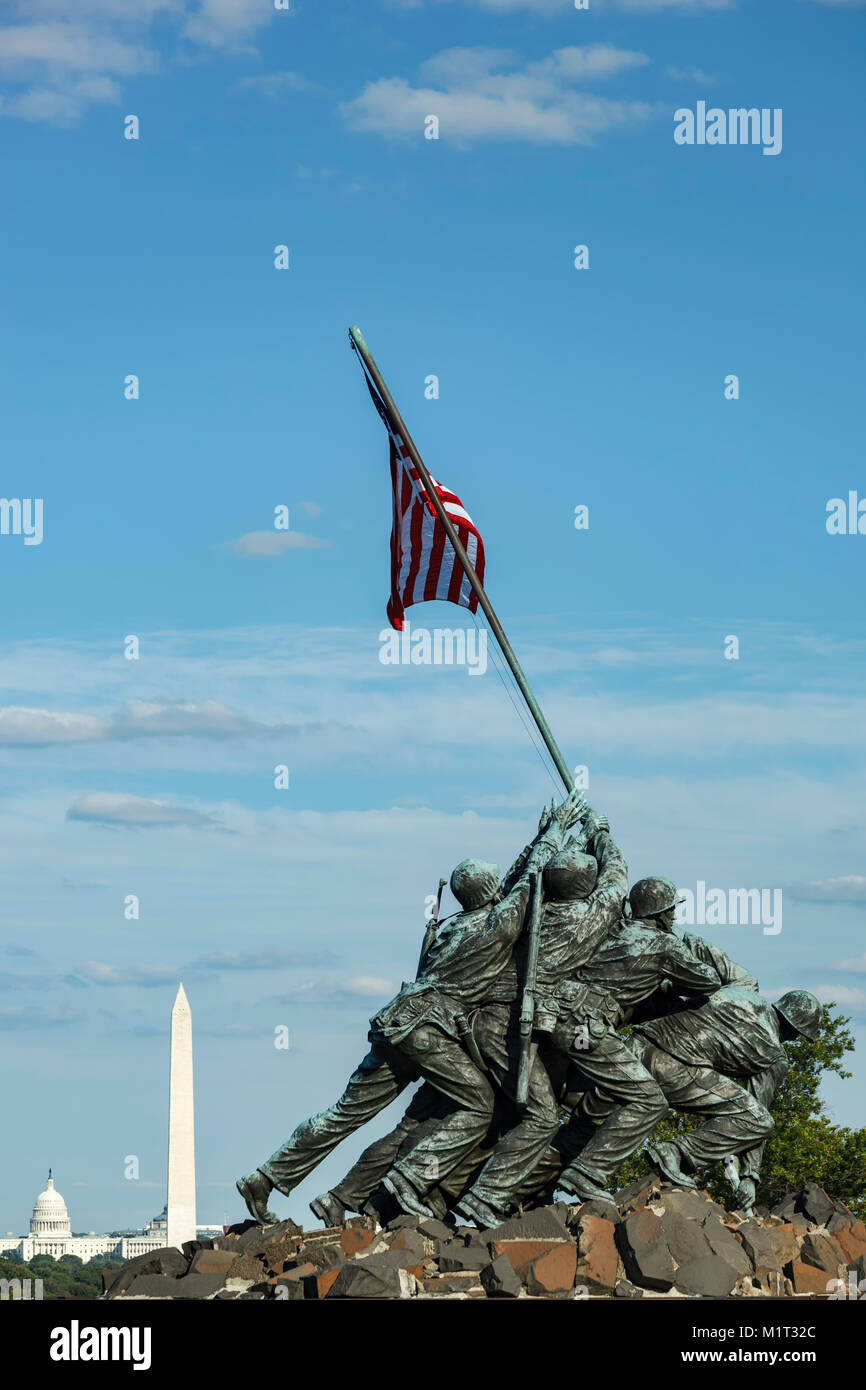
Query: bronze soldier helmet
570	874
802	1010
475	883
651	896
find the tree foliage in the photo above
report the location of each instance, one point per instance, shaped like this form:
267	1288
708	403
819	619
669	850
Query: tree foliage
65	1278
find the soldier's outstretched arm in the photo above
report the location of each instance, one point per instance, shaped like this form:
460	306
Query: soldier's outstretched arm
565	816
730	973
589	921
612	868
611	885
595	839
506	919
686	972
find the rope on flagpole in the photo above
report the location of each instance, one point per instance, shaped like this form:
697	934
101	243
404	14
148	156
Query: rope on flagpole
510	688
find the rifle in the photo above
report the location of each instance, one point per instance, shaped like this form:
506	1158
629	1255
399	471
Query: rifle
527	1003
430	931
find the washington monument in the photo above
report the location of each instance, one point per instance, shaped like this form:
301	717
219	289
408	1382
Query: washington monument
181	1128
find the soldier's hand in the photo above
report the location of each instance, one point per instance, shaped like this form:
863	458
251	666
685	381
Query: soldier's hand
593	821
571	810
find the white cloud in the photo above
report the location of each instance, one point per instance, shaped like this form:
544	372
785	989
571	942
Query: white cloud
275	543
225	23
120	808
483	94
857	964
690	75
850	888
160	718
843	995
57	59
21	725
204	968
586	63
58	106
274	85
657	6
97	972
39	1016
547	8
369	986
66	46
256	960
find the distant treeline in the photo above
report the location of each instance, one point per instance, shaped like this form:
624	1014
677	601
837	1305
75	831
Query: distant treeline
63	1278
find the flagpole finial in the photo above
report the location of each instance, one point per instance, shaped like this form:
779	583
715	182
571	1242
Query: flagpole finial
356	339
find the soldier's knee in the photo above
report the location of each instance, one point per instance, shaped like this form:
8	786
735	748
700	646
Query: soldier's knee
761	1120
482	1104
654	1103
766	1123
543	1116
549	1119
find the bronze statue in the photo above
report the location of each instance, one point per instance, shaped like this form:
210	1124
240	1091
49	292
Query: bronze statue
471	1142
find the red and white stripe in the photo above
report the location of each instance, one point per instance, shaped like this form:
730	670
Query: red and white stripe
424	564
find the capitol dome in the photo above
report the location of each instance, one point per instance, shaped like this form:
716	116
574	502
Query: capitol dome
50	1217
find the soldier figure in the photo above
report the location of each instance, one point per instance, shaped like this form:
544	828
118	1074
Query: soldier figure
628	967
705	1043
698	1055
419	1034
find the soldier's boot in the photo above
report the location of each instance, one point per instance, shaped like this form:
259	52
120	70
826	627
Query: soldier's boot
328	1208
668	1160
541	1197
255	1189
405	1195
579	1184
381	1206
437	1201
484	1216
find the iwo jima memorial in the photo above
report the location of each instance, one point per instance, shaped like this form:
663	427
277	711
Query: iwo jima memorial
553	1023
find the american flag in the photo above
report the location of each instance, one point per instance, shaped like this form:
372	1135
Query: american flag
424	564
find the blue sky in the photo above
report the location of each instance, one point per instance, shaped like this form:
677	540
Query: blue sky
558	387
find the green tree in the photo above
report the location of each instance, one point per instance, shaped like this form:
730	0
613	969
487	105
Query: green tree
66	1278
805	1145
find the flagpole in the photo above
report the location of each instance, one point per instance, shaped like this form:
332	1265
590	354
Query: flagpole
399	426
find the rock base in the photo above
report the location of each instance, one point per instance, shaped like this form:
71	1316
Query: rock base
652	1241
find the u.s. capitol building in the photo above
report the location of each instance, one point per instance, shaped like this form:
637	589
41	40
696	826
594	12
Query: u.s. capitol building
51	1234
